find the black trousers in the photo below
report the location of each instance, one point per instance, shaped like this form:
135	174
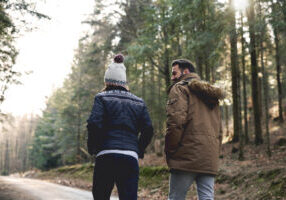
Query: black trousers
118	169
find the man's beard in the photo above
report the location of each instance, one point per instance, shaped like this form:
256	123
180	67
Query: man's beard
176	80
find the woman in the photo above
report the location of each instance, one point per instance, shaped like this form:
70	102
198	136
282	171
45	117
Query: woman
114	124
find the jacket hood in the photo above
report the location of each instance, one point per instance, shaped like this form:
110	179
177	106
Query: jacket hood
208	93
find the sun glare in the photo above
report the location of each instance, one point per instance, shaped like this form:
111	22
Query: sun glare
240	4
48	52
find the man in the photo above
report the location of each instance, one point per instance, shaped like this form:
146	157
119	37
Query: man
193	137
114	124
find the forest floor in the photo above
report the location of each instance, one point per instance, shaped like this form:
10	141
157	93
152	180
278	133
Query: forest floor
256	177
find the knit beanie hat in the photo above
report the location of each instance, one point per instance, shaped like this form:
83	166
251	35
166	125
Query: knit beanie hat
116	72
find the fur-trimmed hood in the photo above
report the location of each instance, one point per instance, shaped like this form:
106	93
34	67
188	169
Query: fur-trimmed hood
208	93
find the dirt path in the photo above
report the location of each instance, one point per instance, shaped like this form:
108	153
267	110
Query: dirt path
9	192
29	189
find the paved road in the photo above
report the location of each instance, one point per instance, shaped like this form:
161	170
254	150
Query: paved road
29	189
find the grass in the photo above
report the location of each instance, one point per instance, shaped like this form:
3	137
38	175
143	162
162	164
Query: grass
246	180
269	184
150	177
153	178
82	172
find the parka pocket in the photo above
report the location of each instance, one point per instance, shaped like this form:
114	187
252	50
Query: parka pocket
171	101
170	105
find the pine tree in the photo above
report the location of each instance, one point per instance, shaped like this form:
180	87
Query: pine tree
254	74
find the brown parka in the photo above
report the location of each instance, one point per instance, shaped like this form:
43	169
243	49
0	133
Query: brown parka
193	138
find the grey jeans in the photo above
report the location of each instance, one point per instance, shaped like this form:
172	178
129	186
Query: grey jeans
180	183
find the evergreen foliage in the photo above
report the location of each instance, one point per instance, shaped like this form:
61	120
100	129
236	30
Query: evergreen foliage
151	34
226	50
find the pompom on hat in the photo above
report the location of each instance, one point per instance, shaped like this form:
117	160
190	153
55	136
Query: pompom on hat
116	72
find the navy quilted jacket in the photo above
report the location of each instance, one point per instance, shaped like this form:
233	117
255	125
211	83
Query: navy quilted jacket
115	121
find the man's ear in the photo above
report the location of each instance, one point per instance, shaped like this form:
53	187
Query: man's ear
186	71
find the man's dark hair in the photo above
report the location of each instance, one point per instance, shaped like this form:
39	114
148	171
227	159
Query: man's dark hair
184	64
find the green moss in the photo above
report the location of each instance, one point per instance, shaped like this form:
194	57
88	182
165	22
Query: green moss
275	182
278	188
260	180
269	175
153	171
154	178
270	184
240	179
222	178
79	171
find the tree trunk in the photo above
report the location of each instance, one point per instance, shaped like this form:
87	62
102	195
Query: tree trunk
241	135
143	81
213	77
226	120
78	151
160	122
179	50
199	65
207	69
254	75
235	77
167	70
153	99
1	156
166	58
265	90
278	73
7	158
284	10
265	82
246	137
